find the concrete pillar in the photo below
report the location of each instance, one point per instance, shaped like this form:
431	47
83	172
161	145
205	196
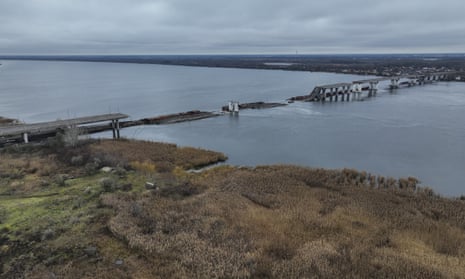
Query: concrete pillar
236	107
336	92
26	138
342	93
117	129
113	127
394	83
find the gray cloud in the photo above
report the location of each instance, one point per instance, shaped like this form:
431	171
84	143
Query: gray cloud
240	26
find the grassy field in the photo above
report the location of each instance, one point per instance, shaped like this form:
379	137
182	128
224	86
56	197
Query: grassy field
146	215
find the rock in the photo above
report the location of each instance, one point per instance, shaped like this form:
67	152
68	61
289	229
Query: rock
150	186
119	262
91	251
106	169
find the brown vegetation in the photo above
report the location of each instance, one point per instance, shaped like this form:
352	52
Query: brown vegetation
7	121
163	155
286	221
262	222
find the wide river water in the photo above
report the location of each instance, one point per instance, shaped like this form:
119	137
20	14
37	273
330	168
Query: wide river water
417	131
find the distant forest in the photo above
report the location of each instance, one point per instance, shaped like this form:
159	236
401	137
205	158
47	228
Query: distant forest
374	64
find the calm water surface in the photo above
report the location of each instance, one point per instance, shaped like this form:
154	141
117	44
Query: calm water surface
416	131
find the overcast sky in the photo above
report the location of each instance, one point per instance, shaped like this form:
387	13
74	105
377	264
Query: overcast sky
230	26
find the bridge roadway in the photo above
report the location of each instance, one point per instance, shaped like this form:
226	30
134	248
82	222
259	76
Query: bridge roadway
344	89
410	76
53	126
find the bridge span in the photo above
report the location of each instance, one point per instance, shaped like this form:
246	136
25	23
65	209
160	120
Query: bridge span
34	129
349	90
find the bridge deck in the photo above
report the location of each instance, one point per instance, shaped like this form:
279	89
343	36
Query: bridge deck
53	125
402	76
336	85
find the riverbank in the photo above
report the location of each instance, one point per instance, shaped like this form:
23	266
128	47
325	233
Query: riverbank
7	121
131	208
357	64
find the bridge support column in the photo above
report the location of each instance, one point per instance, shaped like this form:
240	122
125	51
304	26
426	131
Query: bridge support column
26	138
342	92
113	128
117	129
394	83
357	91
336	93
373	88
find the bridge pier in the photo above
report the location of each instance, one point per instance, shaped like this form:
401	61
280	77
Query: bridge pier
421	80
394	83
357	91
410	83
373	88
115	128
343	92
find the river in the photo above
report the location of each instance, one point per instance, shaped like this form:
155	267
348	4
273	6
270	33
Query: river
417	131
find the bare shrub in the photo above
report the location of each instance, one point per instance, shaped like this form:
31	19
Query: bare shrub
179	191
60	179
70	136
108	184
77	160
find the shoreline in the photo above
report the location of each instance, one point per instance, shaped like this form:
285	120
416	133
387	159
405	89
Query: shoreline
130	207
365	178
376	65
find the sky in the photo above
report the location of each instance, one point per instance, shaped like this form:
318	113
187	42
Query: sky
231	26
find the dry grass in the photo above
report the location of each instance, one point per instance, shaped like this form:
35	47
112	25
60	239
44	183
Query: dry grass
163	155
263	222
285	221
